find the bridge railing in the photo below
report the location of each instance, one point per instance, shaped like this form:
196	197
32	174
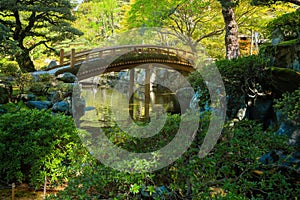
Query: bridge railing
74	57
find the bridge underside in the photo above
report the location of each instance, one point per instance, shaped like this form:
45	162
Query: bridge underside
87	73
94	65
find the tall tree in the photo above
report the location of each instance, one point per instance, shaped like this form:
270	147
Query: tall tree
32	23
268	2
99	19
195	19
231	27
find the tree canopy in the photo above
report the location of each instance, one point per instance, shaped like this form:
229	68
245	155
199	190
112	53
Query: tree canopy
268	2
98	19
32	23
7	46
190	21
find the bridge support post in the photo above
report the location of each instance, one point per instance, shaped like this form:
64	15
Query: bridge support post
131	97
61	56
147	93
72	58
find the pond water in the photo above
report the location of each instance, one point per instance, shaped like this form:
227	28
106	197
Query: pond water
106	105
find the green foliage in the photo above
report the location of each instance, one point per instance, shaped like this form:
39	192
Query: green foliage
230	171
35	144
288	24
133	144
42	85
238	76
9	68
7	46
289	105
99	20
269	2
200	20
188	20
241	74
281	79
34	23
23	81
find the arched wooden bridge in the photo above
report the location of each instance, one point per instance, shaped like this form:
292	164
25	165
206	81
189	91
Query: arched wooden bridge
102	60
97	61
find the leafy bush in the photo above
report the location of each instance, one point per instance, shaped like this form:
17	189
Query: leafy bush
41	85
23	81
9	68
238	76
289	105
35	144
99	181
230	171
288	24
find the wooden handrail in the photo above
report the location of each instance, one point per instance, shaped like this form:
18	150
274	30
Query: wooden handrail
76	57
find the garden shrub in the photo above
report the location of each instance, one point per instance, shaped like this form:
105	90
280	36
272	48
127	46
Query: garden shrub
230	171
23	81
41	84
238	76
289	105
9	68
98	181
288	24
35	144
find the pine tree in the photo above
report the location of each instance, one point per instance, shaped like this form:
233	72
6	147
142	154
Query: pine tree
32	23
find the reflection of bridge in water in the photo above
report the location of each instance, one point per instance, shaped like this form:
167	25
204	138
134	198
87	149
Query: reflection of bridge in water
94	62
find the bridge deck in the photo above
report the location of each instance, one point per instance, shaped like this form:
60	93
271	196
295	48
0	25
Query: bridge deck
102	60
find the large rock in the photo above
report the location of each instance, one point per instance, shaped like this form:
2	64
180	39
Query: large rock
285	54
289	128
61	106
53	63
277	36
261	109
55	97
286	127
284	79
67	77
40	105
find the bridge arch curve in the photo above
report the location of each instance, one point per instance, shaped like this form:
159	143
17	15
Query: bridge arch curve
113	59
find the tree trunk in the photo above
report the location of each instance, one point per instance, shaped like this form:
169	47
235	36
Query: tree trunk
25	62
231	27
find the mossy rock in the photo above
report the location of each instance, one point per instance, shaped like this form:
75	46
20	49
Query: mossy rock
284	79
289	42
285	54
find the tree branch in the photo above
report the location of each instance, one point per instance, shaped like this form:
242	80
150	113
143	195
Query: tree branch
38	44
216	32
